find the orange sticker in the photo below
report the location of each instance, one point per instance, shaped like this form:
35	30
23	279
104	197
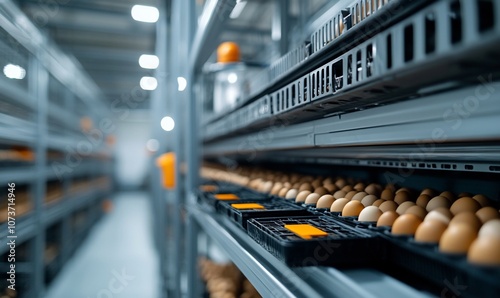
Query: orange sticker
247	206
226	196
306	231
208	188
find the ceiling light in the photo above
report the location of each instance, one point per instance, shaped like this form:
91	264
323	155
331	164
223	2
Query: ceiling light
15	72
232	78
146	14
182	83
149	61
167	123
238	9
148	83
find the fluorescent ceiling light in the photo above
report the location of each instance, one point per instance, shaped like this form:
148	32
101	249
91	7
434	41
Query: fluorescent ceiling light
167	123
14	72
146	14
149	61
148	83
182	83
238	9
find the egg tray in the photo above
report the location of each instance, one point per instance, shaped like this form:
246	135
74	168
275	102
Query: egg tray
343	246
243	195
273	208
453	274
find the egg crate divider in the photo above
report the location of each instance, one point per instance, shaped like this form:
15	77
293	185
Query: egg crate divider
341	246
270	208
442	269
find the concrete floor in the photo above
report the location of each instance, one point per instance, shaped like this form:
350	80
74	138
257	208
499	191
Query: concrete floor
117	260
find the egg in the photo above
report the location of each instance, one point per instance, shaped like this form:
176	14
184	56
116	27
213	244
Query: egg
390	187
490	229
338	205
402	189
437	202
331	187
373	189
359	186
464	194
368	200
388	206
321	191
405	205
416	210
402	197
481	199
291	194
350	194
457	238
487	213
359	196
448	194
328	180
429	192
312	198
378	202
369	214
387	194
423	200
430	231
347	188
387	219
296	185
276	188
325	201
438	216
352	208
317	183
283	192
485	252
301	197
406	225
467	218
266	187
340	183
306	186
287	184
339	194
465	204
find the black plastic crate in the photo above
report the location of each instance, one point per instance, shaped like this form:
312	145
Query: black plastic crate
270	208
342	246
213	199
453	274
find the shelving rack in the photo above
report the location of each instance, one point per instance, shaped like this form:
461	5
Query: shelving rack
42	114
374	100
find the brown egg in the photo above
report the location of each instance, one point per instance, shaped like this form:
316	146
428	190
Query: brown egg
301	197
430	231
405	205
312	198
373	189
347	188
490	229
485	252
429	192
306	186
378	202
388	206
321	191
328	180
467	218
352	208
464	194
338	205
448	194
402	197
317	183
444	211
339	194
436	215
340	183
437	202
406	224
369	214
368	200
359	196
351	194
266	187
387	194
325	201
417	210
359	186
403	189
457	238
331	187
483	200
287	184
390	187
423	200
487	213
291	194
276	188
465	204
387	219
283	192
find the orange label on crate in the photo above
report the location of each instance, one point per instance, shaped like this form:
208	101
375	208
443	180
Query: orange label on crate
306	231
226	196
247	206
208	188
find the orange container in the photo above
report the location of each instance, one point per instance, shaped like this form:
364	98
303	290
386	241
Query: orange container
166	163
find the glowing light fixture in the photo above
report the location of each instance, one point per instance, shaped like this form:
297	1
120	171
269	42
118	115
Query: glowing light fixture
149	83
182	83
14	72
167	123
146	14
149	61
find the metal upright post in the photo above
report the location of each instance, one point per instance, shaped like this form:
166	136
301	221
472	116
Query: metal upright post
280	25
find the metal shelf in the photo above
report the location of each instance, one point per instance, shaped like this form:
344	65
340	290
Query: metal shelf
273	278
18	175
25	229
